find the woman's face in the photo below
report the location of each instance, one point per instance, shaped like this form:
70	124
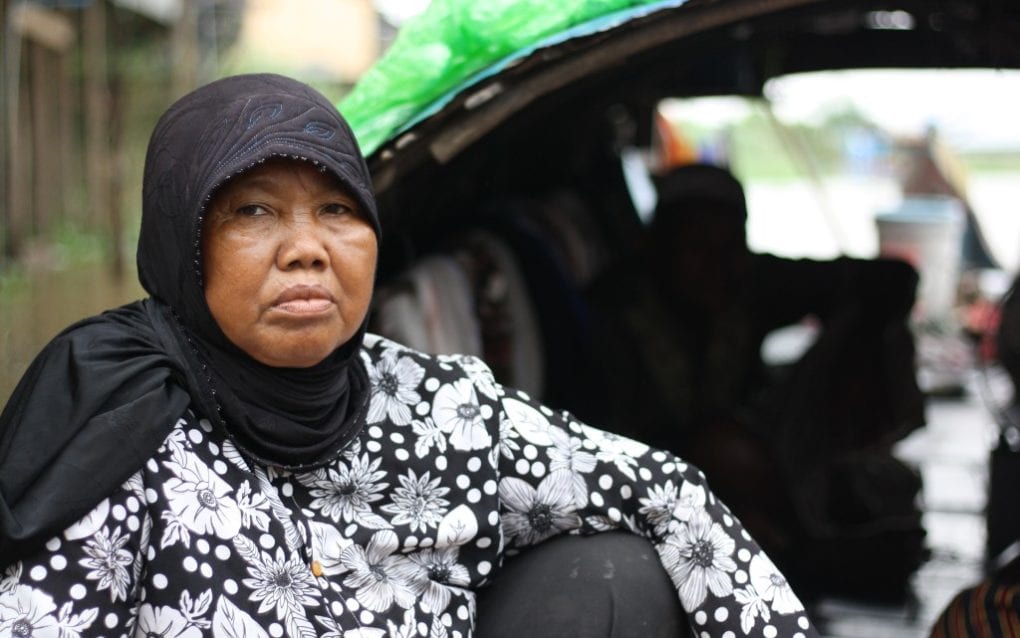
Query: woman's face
289	263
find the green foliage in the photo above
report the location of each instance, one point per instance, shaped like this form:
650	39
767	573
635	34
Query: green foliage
758	153
763	149
73	245
989	162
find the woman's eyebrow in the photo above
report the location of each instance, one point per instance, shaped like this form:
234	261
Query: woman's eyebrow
263	182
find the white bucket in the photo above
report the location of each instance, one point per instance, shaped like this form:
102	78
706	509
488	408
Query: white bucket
927	232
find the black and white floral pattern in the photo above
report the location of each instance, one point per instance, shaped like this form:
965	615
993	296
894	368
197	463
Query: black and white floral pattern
392	539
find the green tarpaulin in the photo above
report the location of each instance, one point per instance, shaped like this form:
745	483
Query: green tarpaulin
454	40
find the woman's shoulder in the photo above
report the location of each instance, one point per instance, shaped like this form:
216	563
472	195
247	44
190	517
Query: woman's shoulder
382	355
115	334
375	347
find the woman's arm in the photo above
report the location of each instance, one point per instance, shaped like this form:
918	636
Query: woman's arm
82	582
559	475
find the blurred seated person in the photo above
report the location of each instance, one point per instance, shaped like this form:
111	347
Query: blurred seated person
801	454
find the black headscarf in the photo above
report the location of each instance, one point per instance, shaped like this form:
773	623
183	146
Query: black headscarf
103	395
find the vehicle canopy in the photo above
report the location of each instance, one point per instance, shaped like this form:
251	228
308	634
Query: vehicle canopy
488	124
471	95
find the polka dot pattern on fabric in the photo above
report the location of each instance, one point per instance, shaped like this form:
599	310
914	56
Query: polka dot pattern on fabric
450	474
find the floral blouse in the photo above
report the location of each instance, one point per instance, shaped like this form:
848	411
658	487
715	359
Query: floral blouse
450	473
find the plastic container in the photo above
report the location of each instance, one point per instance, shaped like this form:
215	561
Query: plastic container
927	232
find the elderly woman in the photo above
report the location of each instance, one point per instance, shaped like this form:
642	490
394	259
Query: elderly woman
235	456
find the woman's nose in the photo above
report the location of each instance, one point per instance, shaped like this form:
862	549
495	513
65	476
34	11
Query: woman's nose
303	246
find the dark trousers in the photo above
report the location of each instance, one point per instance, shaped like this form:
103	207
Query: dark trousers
607	585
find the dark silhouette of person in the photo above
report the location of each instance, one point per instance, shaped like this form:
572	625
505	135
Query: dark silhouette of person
801	452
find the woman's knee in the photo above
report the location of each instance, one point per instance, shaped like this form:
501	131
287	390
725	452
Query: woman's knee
609	584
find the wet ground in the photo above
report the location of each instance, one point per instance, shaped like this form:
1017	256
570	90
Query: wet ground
952	455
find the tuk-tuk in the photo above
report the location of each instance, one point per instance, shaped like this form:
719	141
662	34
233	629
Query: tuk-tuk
495	133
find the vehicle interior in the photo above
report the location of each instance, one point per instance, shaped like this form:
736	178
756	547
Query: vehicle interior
506	205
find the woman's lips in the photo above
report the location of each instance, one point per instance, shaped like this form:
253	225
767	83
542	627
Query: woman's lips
304	300
305	306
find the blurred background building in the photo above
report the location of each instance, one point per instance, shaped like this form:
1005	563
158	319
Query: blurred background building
82	82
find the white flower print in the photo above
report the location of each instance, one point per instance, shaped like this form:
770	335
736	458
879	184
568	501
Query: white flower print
280	583
692	501
438	629
507	433
770	583
353	450
480	374
109	562
566	455
333	630
164	622
394	388
380	576
616	449
193	609
345	493
530	424
751	607
144	540
72	624
174	531
177	444
407	629
280	511
327	546
605	523
614	443
201	500
458	527
361	632
234	456
25	612
438	571
254	508
658	507
456	412
89	524
229	621
698	558
418	502
535	515
429	436
11	577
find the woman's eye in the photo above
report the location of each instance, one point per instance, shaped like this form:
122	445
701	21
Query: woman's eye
337	208
251	210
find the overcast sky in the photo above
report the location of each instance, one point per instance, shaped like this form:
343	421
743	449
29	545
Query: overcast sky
972	108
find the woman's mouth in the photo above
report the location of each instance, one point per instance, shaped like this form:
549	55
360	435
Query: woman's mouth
304	300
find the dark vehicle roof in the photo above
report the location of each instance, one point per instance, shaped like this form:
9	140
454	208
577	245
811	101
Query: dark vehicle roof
536	120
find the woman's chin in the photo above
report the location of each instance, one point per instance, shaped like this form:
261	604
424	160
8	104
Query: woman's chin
303	354
283	345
